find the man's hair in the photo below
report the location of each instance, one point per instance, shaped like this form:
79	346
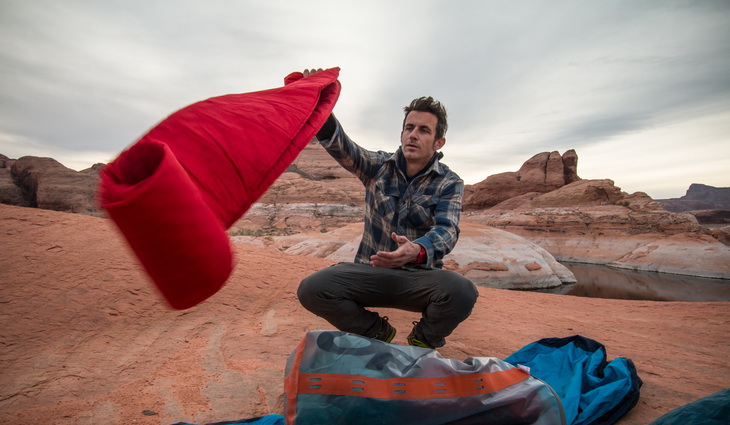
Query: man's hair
429	104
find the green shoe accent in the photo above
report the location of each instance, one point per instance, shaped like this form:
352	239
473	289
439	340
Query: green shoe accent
416	342
386	332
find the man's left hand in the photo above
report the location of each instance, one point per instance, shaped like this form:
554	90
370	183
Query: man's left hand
407	252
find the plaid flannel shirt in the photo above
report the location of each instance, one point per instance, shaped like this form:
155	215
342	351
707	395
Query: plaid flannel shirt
426	210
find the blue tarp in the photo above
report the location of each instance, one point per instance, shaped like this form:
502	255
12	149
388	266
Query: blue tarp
711	410
263	420
593	391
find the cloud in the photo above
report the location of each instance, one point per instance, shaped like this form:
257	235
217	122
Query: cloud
16	146
517	78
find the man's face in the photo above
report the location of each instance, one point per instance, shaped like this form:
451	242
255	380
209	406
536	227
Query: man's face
417	139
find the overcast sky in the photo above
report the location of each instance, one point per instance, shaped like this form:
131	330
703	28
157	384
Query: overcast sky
640	89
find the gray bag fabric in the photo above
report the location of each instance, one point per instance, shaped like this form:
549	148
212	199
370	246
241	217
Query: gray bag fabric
335	377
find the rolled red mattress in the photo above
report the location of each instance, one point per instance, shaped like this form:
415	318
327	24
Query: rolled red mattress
175	192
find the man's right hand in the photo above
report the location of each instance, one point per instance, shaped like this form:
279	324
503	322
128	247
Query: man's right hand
407	252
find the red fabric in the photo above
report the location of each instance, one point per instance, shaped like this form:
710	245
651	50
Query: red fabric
174	192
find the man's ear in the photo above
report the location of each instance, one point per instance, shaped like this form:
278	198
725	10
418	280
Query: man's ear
438	144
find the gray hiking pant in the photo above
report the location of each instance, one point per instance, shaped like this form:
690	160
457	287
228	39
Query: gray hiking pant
340	293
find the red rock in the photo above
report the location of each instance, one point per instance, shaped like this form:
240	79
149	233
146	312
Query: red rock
45	183
722	234
295	217
721	217
481	266
579	194
10	193
542	173
316	163
584	220
87	340
315	176
533	267
593	221
315	194
570	166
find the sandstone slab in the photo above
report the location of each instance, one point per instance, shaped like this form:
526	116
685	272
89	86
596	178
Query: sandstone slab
87	340
593	221
488	256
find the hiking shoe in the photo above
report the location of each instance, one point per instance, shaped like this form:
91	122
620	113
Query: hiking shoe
416	341
386	332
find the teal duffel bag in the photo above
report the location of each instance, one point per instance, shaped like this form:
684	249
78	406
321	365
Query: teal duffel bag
334	377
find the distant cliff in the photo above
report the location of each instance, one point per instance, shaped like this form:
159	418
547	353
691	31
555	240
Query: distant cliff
699	197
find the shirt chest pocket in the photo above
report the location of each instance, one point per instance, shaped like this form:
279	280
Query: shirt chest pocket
421	210
385	200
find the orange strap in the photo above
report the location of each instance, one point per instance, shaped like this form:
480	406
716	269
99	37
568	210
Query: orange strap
408	388
291	383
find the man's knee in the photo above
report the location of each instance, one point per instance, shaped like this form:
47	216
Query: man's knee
316	288
308	291
463	292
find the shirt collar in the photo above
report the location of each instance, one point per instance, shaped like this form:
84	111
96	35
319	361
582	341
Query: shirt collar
433	165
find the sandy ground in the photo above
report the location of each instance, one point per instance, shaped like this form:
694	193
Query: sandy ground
87	340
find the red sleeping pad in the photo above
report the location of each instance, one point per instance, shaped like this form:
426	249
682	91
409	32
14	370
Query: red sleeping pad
175	191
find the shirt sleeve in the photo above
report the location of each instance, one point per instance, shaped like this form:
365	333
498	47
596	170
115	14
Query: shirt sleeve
444	233
328	128
364	164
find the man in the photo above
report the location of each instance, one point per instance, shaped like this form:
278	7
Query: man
412	210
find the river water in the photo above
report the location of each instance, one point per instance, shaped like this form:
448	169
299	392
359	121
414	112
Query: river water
606	282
